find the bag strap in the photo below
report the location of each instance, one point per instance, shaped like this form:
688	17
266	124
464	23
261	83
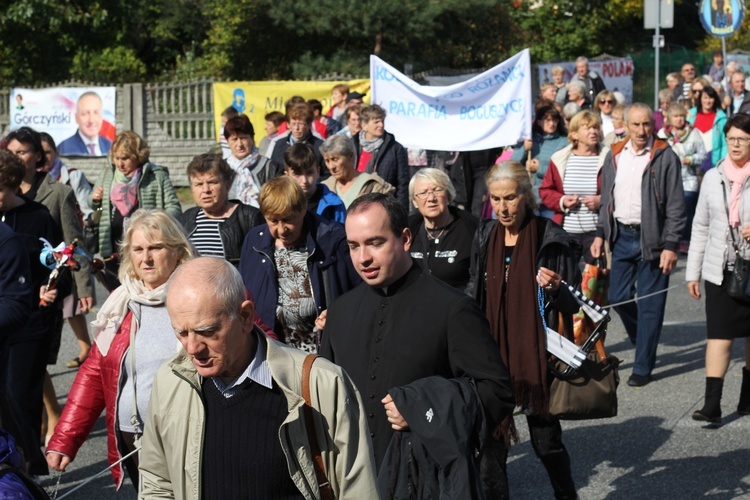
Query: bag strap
320	472
134	420
726	207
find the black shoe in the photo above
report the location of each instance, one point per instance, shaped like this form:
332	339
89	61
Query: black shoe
638	380
700	416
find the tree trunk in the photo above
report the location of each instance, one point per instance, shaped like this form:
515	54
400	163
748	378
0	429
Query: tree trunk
378	42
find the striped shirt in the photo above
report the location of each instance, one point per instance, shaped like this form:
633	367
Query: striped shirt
580	179
206	237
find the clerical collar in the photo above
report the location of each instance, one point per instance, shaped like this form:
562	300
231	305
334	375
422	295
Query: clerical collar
411	276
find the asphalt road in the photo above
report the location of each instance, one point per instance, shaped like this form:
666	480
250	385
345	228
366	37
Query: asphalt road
652	449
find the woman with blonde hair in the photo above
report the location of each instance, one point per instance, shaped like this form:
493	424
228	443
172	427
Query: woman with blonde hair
128	183
517	267
604	103
572	185
133	336
295	264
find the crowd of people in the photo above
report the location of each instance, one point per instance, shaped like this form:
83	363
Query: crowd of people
424	287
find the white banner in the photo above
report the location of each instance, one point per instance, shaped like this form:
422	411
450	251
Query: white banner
617	74
491	109
79	119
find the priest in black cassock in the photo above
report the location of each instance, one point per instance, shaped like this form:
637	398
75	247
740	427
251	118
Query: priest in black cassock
402	324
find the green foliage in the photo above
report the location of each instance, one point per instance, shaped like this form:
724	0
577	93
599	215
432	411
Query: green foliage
124	40
117	64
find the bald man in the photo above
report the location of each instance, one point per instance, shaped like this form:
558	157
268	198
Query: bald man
226	416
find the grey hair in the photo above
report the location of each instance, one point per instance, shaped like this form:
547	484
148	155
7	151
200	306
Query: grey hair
732	64
514	171
558	70
578	86
619	97
215	275
666	94
582	59
337	145
435	176
641	107
570	110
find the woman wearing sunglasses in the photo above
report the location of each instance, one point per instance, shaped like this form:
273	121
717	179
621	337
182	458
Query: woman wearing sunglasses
603	105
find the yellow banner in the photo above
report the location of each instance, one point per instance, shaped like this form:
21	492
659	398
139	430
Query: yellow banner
257	99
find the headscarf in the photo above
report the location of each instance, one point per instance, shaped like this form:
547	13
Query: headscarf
737	176
109	318
124	191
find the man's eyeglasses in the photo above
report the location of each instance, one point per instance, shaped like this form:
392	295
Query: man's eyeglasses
740	141
688	70
426	194
606	101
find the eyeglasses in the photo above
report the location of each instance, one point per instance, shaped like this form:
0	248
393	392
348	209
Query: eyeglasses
697	91
688	70
426	194
606	101
740	141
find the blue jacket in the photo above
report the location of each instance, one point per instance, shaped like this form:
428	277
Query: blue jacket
74	146
542	148
718	141
328	260
331	206
11	485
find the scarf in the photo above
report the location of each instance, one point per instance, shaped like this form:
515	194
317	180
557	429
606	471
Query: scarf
737	177
677	135
370	145
109	318
244	187
515	321
124	191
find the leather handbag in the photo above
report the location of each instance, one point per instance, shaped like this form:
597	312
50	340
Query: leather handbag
738	286
320	471
590	392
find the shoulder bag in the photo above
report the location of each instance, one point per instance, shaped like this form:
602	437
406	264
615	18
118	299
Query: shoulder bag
739	281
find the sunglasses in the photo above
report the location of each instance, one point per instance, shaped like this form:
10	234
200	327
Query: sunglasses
606	101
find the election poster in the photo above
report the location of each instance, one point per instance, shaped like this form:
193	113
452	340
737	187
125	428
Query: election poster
81	120
617	74
489	110
257	99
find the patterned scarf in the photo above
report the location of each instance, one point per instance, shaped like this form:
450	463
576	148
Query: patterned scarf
54	172
370	145
124	191
244	187
737	176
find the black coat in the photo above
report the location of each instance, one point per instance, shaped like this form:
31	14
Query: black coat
438	456
392	164
15	283
283	143
554	253
232	231
419	328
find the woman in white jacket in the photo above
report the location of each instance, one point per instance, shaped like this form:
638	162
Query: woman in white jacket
722	224
687	142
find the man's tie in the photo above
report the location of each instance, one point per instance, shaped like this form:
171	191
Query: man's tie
92	149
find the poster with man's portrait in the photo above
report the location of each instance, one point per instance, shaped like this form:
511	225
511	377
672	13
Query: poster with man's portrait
81	120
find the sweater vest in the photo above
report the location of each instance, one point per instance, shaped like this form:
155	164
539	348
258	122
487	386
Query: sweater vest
242	455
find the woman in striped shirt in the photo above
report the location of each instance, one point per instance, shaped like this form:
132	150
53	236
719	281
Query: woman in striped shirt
217	225
572	185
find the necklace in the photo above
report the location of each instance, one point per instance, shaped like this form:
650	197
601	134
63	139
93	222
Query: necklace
431	234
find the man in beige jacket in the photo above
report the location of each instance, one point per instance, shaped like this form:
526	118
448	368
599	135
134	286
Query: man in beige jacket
225	418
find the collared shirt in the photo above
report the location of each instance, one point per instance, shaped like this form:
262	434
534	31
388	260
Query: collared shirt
257	371
628	181
91	145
